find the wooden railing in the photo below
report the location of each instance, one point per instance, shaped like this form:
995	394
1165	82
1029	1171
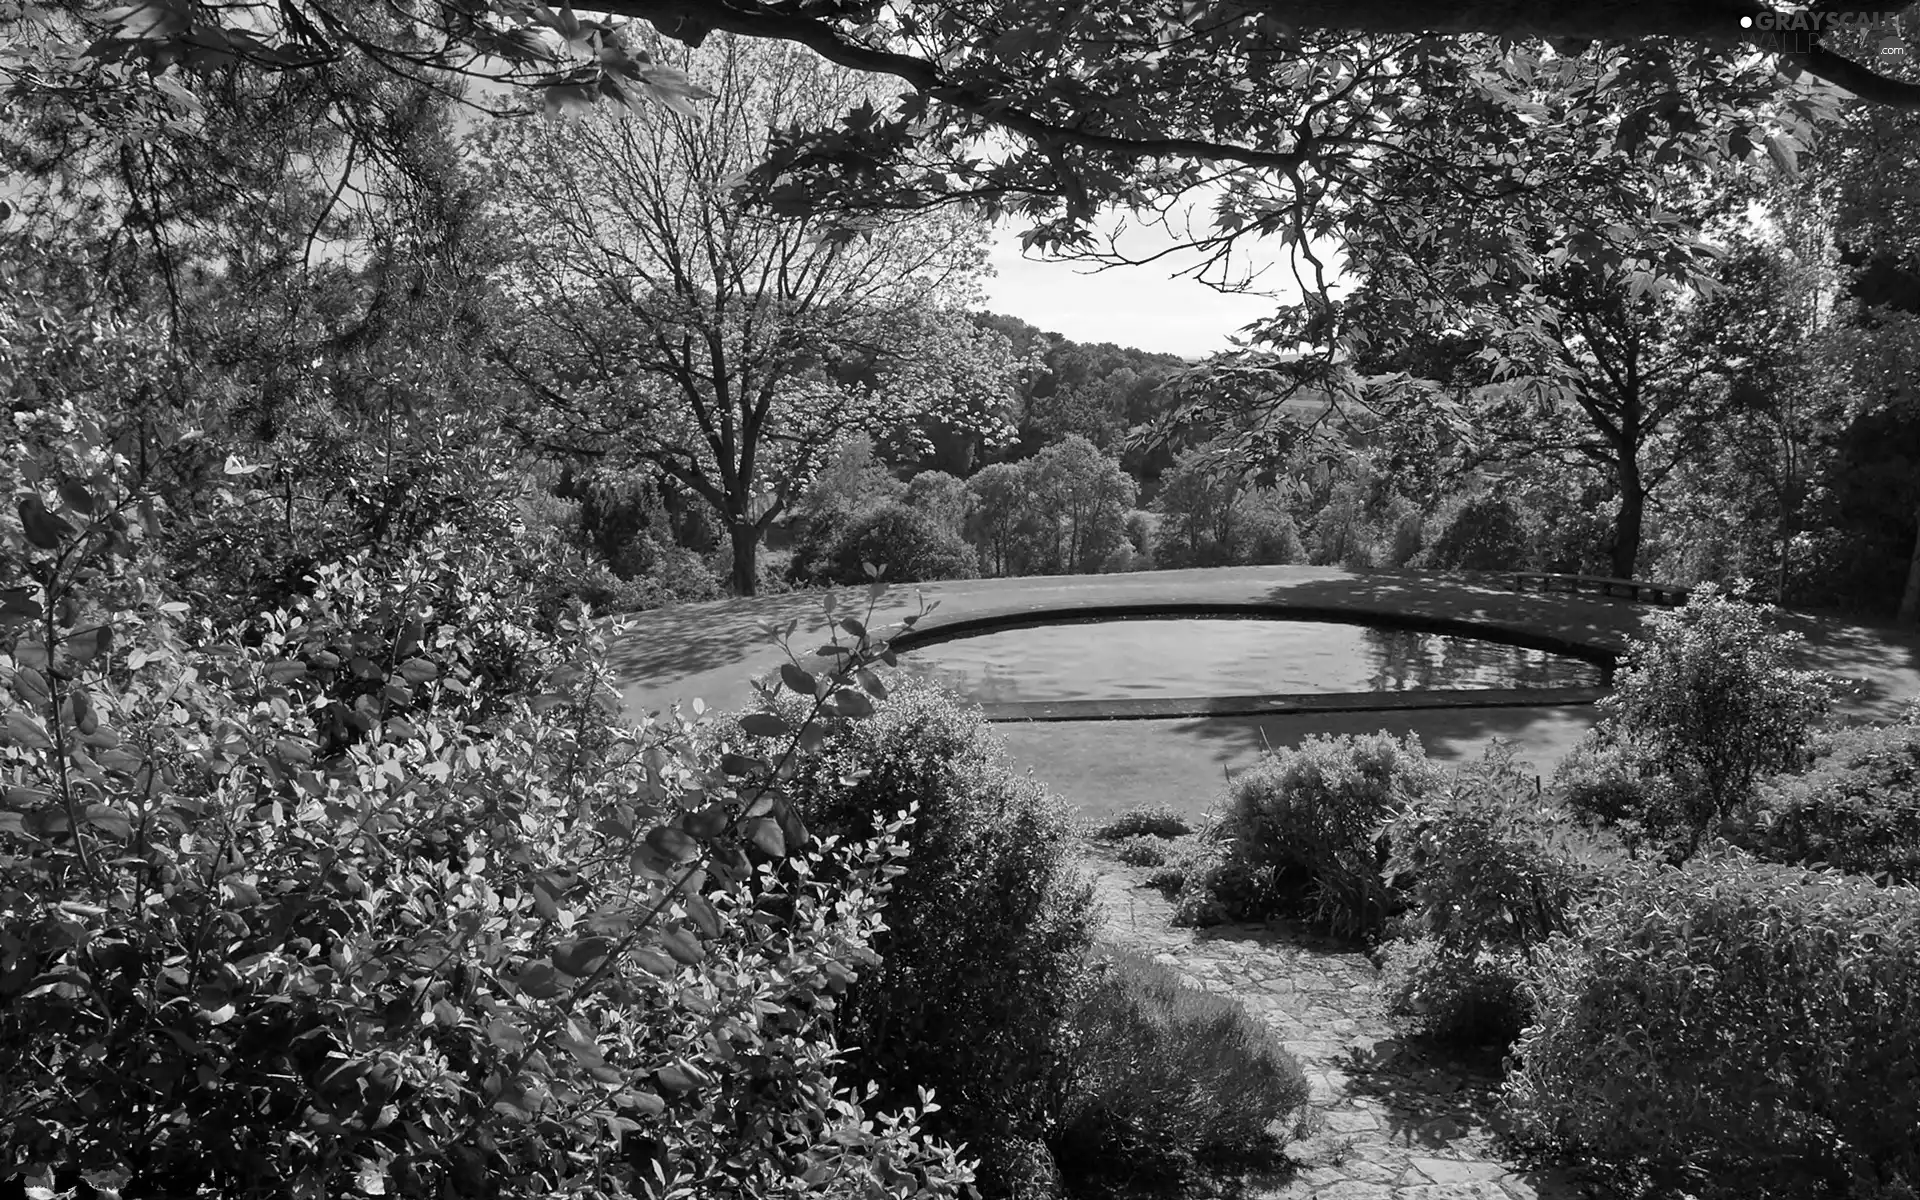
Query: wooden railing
1671	594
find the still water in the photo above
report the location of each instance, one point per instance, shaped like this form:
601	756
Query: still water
1161	657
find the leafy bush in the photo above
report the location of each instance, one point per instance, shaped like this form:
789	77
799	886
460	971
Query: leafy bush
1152	820
445	937
852	483
1485	533
1304	831
1491	872
1144	851
1472	998
1706	706
1169	1083
987	931
1736	1028
1605	783
943	498
1264	533
909	544
1856	809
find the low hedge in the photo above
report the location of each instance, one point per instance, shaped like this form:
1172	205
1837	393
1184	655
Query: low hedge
1734	1028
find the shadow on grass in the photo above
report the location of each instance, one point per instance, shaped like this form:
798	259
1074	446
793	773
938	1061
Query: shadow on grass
688	639
1449	734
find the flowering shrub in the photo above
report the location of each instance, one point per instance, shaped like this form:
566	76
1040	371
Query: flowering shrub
1169	1082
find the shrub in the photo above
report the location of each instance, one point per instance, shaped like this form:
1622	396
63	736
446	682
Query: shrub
1856	809
1304	830
1708	704
1264	533
458	936
1143	851
909	544
1152	820
1491	872
988	929
1169	1083
1736	1028
1486	533
943	498
1471	998
1605	784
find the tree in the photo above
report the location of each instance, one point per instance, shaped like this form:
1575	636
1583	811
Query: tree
664	317
1046	113
1082	497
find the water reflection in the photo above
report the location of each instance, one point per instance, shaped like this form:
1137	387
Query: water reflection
1212	656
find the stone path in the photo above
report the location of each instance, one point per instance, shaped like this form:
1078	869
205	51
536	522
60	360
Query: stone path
1387	1120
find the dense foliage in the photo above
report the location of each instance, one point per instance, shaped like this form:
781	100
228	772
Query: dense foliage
341	904
1855	809
988	929
1703	708
1169	1084
1491	872
1731	1029
1304	831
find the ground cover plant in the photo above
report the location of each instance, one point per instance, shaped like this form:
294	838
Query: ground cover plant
1169	1084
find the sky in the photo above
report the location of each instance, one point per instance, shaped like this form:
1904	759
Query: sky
1138	306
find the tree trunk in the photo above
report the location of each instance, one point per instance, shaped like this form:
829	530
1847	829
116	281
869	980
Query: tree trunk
1910	599
745	539
1627	525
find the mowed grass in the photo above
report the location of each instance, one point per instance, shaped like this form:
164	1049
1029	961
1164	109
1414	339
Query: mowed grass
1107	767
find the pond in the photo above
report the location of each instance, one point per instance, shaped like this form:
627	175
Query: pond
1166	657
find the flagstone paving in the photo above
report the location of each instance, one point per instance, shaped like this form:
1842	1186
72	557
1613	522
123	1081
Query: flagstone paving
1387	1119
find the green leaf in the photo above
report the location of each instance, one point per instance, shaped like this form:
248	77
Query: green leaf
707	822
854	626
871	682
675	844
684	948
75	496
742	764
703	916
765	833
24	729
850	703
579	958
766	724
89	644
540	980
653	962
797	679
108	819
43	529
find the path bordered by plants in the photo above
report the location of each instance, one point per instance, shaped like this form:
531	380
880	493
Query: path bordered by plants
1388	1120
